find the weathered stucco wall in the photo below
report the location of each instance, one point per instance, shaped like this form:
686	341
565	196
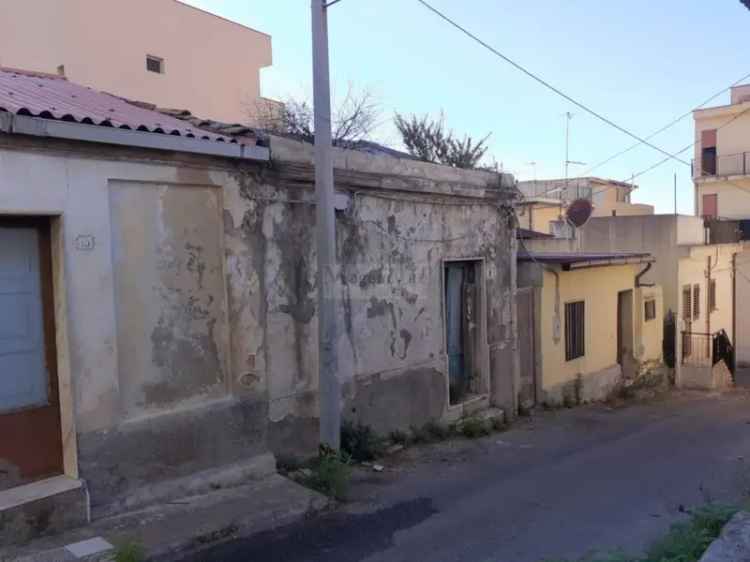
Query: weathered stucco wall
190	298
649	334
145	309
391	248
742	341
694	270
597	372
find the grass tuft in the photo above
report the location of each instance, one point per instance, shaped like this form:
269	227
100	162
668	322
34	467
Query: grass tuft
685	542
360	442
130	551
331	473
472	428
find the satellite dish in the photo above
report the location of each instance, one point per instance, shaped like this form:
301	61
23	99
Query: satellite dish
579	212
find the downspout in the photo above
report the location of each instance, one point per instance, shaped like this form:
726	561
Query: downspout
708	295
556	321
734	303
641	274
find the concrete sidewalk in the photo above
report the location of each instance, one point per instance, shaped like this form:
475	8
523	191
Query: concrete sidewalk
181	526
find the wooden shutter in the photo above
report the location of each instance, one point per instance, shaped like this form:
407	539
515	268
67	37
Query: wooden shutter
710	205
696	301
687	303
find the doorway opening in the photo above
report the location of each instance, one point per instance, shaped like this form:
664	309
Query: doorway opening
525	304
31	446
463	329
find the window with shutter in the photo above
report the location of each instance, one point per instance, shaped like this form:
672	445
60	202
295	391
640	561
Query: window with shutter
696	301
575	330
650	309
155	64
712	294
687	303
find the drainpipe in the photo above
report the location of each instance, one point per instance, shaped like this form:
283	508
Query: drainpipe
734	303
641	274
556	328
708	295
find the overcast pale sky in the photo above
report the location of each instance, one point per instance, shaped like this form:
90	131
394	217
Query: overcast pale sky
641	63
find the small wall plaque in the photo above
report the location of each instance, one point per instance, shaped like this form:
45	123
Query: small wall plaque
85	242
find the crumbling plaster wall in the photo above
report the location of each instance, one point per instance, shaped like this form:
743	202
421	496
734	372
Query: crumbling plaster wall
144	310
391	243
142	417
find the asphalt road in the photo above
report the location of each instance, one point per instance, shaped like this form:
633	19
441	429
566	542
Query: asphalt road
560	484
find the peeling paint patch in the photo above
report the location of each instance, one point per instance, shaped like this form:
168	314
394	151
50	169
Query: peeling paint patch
406	337
373	277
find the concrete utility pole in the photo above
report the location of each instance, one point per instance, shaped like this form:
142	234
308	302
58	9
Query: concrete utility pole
328	381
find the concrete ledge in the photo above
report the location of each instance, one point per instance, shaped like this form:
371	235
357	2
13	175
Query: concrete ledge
190	524
733	545
48	506
717	377
256	468
589	387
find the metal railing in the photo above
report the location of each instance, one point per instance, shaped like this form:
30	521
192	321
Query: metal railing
697	349
723	165
706	350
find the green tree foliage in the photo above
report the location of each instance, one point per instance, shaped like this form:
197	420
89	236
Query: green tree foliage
429	140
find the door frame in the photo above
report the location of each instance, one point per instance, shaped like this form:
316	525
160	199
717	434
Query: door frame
55	326
483	360
535	295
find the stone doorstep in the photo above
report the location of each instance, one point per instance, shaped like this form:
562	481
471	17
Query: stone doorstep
199	483
189	524
52	505
20	495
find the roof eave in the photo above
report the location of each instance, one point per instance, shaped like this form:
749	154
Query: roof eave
612	261
39	127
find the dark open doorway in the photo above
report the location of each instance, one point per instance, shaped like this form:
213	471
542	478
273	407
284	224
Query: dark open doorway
462	328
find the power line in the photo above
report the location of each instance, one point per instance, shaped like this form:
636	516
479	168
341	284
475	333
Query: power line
545	83
688	147
664	128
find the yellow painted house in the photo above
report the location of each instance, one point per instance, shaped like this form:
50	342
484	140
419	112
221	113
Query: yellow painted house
587	325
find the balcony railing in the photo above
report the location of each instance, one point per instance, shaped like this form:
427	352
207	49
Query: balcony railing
706	350
722	165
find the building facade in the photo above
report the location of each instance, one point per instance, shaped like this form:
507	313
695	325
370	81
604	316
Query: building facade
721	166
168	286
697	278
162	52
608	197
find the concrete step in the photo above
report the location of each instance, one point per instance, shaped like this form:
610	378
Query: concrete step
184	525
52	505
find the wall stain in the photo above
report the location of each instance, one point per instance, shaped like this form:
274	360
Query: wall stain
406	336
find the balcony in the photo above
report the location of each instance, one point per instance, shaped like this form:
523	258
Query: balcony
723	165
726	231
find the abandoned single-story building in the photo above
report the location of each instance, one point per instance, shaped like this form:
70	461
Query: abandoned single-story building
586	325
158	289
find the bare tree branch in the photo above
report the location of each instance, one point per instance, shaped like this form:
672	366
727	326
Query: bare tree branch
353	120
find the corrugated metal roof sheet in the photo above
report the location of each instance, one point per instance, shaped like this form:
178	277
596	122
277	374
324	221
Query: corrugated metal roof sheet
53	97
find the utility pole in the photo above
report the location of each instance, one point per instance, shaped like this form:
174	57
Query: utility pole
675	193
568	117
328	381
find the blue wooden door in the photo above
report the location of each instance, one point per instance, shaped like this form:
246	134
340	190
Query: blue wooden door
30	446
23	376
